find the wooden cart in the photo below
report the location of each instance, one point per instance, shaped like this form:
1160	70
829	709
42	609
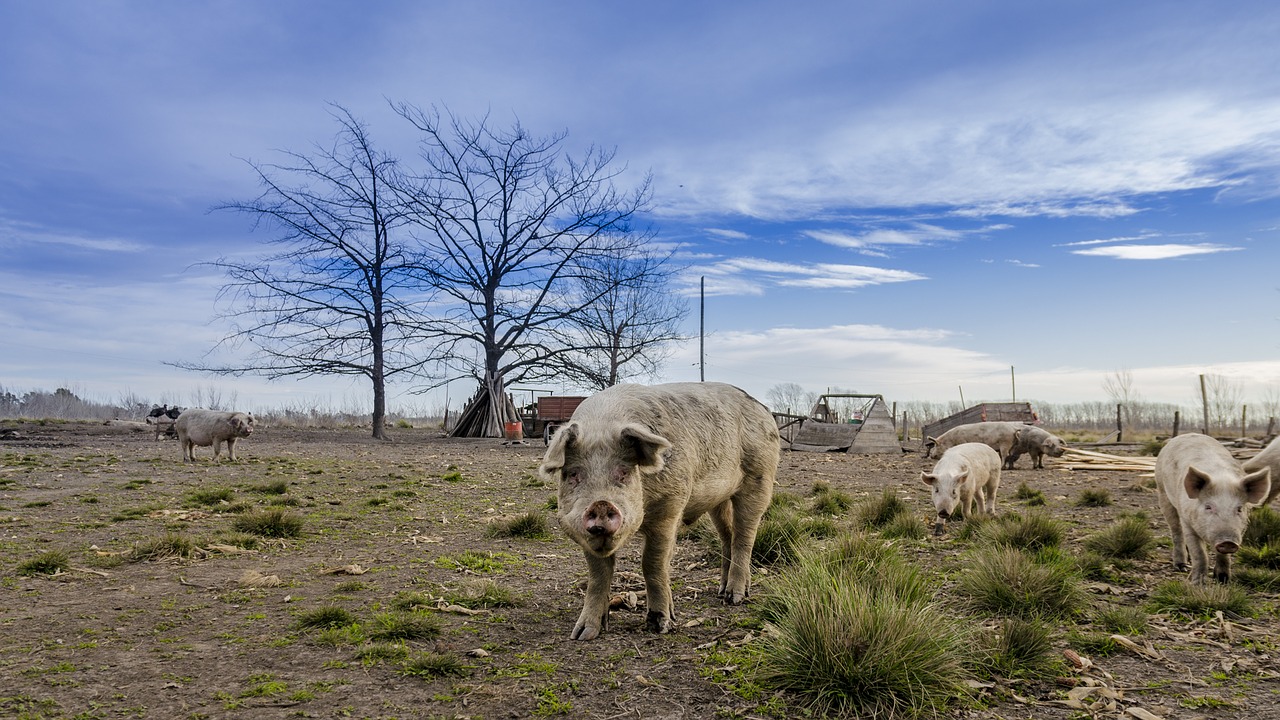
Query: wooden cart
549	413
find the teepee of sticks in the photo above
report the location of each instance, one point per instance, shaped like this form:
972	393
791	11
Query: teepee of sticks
486	412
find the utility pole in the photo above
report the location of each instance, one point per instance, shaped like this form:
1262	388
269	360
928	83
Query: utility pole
702	329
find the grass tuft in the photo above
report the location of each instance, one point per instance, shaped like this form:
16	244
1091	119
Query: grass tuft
1033	532
1184	598
433	665
779	537
1007	582
878	512
329	616
208	497
1263	528
1129	539
168	545
271	523
1023	649
47	563
1094	498
530	526
404	626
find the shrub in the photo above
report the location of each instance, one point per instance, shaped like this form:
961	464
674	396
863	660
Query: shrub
1130	538
1007	582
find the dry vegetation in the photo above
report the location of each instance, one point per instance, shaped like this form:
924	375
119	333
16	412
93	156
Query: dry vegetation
325	574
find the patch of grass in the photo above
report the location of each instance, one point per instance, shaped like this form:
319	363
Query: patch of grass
340	636
1092	644
1007	582
208	497
244	541
452	477
271	523
1029	496
905	525
1184	598
861	649
482	594
832	502
529	526
168	545
433	665
477	562
329	616
550	704
1023	648
1094	498
877	512
1123	619
821	527
1266	557
378	652
971	526
1263	528
1129	538
46	563
403	626
275	487
1257	579
1032	532
779	537
1151	448
136	512
264	685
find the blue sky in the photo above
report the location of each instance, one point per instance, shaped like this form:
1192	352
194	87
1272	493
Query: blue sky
904	198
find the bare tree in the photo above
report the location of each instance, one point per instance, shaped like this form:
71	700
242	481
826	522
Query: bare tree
1119	386
790	396
1270	405
1223	397
340	296
630	327
512	228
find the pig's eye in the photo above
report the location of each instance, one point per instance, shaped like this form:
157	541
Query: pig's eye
572	478
621	475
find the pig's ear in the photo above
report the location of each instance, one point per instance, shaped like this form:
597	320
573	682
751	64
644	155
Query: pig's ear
561	444
1257	485
1195	482
928	479
642	448
962	477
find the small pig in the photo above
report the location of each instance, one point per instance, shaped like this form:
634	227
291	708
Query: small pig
1268	458
965	472
1036	442
1205	496
1001	436
211	427
641	459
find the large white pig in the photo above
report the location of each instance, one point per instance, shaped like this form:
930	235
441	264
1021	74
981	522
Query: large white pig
642	459
1268	458
1205	496
211	427
1000	436
964	473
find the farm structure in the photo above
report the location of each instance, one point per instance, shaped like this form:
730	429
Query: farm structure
867	430
983	412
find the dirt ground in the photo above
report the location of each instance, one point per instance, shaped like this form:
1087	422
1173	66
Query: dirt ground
207	637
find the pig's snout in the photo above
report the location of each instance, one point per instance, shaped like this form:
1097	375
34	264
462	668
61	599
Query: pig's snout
602	518
944	514
1227	547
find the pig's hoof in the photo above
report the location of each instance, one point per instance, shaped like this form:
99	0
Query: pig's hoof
734	598
1180	567
937	529
585	632
1223	578
658	622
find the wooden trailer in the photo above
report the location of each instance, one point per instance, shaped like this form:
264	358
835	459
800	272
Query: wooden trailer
548	413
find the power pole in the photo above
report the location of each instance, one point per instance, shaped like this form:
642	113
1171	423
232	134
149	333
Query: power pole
702	328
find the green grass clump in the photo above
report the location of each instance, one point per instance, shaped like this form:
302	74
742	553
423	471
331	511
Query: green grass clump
1256	579
208	497
877	512
1094	498
329	616
168	545
1029	496
1264	526
271	523
530	526
970	528
854	633
1123	619
47	563
476	562
481	594
905	525
375	653
832	502
1266	557
1129	539
403	626
1033	532
433	665
275	487
1007	582
1023	648
1184	598
778	539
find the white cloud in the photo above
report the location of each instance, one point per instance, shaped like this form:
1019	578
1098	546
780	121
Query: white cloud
749	275
727	234
1155	252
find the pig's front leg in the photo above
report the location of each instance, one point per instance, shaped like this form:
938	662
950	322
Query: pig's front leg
594	618
1195	549
659	543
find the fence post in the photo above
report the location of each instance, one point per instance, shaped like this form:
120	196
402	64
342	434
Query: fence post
1204	401
1177	417
1244	422
1119	427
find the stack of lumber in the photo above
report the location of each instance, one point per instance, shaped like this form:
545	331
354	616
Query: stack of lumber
1076	459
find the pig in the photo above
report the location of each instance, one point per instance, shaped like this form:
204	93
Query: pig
999	435
641	459
1268	458
1036	442
211	427
1205	496
963	473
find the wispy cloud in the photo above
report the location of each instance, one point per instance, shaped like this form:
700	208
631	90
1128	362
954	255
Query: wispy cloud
1154	252
18	233
748	275
724	234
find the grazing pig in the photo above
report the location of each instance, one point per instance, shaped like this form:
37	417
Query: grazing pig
964	472
1205	496
211	427
1036	442
999	435
641	459
1268	458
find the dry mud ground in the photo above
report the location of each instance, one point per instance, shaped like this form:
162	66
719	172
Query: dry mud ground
197	638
